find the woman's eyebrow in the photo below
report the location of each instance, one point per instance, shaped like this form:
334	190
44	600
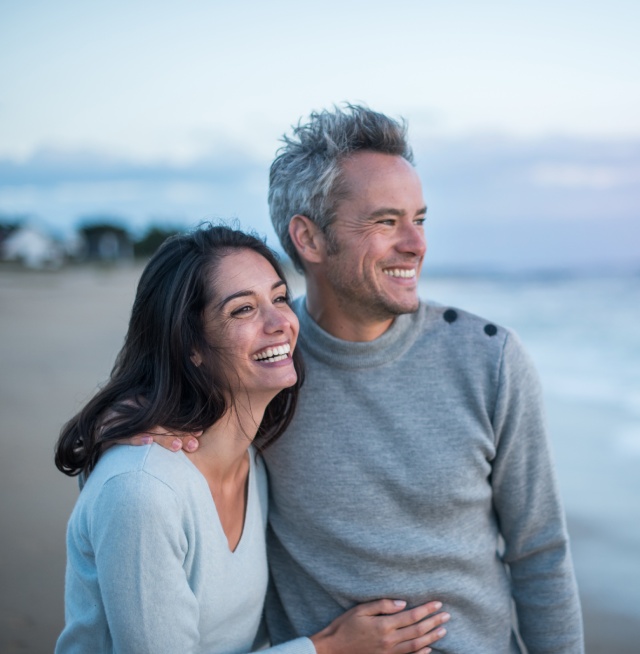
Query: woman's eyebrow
248	293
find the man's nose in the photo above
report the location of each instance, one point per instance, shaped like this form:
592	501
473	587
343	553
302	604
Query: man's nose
412	239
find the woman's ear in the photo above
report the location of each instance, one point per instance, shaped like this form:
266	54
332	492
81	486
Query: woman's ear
196	359
307	238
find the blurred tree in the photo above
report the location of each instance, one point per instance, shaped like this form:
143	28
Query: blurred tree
106	240
9	223
152	240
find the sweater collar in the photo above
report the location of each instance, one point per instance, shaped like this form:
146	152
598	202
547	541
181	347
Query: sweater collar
319	344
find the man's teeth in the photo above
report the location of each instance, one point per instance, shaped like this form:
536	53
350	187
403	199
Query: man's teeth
277	353
400	272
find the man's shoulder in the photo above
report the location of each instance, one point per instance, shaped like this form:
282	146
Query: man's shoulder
461	323
298	305
473	339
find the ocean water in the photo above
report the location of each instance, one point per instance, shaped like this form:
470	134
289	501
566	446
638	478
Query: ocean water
583	333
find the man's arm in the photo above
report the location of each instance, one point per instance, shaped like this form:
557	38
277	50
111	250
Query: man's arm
527	501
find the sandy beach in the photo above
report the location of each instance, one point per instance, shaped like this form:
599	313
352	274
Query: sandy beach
60	333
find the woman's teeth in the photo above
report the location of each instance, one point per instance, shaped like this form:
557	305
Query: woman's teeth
273	354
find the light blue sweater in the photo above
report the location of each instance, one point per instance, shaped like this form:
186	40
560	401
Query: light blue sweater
148	563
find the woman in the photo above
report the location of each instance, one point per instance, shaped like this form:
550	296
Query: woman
166	552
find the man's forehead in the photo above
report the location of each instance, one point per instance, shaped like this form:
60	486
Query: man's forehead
383	181
367	163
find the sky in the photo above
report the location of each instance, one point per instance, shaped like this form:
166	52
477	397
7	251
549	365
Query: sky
524	117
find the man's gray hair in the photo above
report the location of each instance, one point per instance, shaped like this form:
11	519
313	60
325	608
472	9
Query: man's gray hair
305	177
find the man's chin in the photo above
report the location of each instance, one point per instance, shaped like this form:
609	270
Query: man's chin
393	309
412	308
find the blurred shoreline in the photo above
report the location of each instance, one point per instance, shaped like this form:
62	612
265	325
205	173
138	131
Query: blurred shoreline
60	333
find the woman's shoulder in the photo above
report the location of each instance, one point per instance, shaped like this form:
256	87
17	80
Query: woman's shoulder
132	491
136	486
147	469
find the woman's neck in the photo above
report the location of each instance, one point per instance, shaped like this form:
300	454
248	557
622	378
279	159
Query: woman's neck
221	455
223	460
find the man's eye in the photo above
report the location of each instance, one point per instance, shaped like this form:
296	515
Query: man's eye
420	221
387	221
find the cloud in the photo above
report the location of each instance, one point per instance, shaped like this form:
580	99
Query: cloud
577	175
499	180
62	188
493	201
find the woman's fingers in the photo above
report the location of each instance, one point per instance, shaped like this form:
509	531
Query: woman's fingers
416	637
383	627
415	615
409	631
380	607
405	631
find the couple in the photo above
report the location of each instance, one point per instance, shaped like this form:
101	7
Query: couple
415	468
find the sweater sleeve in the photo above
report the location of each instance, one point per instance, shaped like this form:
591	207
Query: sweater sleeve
527	502
140	547
296	646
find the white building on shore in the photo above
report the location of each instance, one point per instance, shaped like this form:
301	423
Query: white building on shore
31	247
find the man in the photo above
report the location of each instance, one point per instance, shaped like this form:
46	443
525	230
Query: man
417	465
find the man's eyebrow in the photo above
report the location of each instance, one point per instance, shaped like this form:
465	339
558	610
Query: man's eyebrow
390	211
247	293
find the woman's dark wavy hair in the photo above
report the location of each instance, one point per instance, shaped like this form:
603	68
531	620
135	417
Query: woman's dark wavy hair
154	381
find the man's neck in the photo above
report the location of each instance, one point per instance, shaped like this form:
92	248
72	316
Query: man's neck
340	323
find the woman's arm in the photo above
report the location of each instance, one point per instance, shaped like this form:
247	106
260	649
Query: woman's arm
140	546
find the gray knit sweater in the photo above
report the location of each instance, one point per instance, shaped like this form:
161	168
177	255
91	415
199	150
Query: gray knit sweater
417	467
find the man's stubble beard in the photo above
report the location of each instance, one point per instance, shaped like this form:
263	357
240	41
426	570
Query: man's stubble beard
376	305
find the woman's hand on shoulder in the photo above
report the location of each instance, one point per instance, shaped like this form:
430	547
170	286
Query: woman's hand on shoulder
170	440
383	627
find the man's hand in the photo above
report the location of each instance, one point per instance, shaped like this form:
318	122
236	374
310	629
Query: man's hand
170	440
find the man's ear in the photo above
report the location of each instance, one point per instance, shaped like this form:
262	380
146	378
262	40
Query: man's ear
307	238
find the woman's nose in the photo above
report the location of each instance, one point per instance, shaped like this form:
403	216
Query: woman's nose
276	320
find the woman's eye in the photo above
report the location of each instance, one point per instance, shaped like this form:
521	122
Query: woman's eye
241	310
282	299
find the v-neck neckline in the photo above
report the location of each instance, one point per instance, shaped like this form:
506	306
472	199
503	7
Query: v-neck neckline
248	521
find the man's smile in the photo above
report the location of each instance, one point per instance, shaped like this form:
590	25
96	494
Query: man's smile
405	273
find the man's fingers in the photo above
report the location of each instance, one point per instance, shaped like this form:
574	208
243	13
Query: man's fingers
140	439
167	439
176	442
169	442
190	443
